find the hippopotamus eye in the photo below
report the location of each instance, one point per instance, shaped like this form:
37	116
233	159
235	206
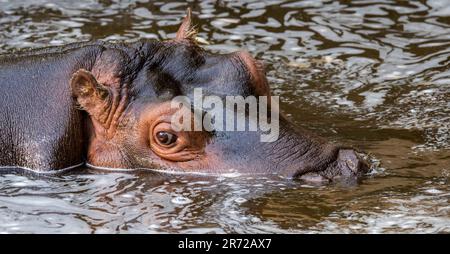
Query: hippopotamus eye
166	138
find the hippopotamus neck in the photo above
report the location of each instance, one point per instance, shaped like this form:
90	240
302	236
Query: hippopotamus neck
40	127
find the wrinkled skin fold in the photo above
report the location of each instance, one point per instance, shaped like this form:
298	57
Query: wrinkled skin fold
108	105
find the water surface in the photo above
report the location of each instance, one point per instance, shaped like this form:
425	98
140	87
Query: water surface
373	74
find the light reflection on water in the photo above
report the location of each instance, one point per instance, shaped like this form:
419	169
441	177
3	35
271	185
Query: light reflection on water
374	75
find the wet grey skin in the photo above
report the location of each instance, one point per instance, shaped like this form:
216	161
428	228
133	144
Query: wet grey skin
42	127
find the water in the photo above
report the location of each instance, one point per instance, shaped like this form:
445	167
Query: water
372	74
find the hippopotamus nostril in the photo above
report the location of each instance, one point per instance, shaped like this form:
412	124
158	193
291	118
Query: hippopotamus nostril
351	165
352	161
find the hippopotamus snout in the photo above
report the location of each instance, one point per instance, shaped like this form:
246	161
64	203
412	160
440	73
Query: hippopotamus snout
348	166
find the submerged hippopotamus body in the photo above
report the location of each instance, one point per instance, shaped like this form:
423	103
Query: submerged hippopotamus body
107	106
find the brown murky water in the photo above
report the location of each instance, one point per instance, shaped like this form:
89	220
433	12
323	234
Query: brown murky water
375	74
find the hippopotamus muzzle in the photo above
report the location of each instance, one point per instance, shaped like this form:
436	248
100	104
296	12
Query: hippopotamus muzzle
349	166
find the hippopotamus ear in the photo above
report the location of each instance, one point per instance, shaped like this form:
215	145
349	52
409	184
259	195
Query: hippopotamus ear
89	94
186	30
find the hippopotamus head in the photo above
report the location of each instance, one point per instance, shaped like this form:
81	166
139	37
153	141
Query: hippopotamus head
129	93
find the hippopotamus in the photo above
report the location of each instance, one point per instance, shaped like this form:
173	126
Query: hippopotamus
106	105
